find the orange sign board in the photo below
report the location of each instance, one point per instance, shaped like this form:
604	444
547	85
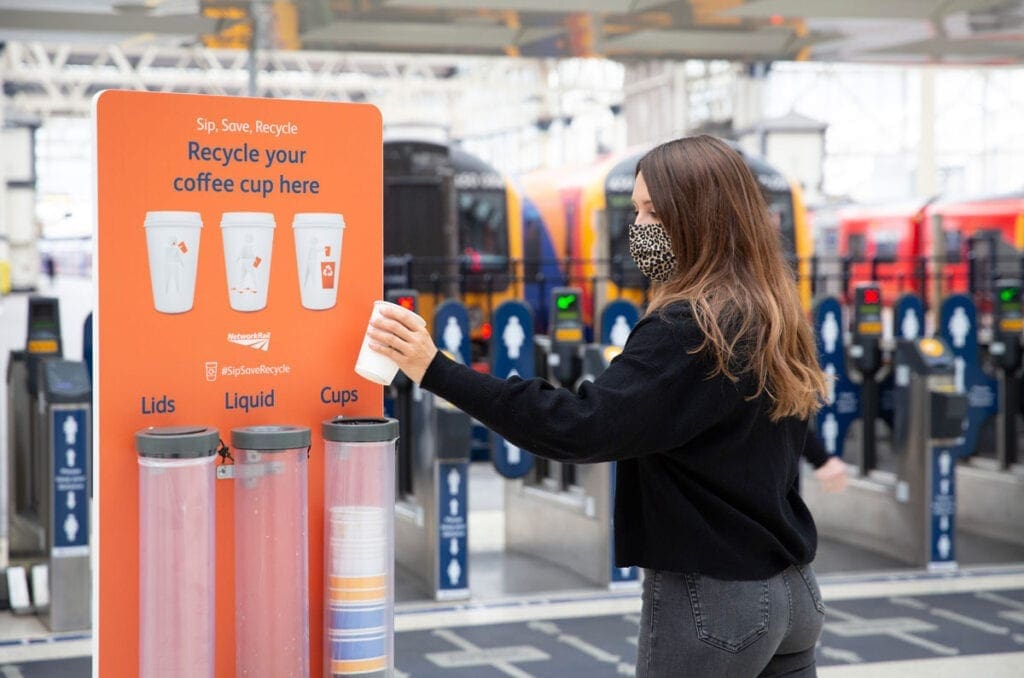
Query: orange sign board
239	253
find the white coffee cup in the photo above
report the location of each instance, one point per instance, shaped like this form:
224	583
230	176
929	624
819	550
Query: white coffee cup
358	561
318	237
374	366
248	246
172	239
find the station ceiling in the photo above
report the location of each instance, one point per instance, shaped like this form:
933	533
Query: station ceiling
889	31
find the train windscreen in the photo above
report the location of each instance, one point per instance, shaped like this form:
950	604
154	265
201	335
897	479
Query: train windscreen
414	213
482	202
413	218
483	226
413	223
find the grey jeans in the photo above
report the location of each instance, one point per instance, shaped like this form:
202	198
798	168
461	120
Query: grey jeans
695	626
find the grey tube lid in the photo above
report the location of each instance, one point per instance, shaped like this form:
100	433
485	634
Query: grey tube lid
177	442
360	430
270	438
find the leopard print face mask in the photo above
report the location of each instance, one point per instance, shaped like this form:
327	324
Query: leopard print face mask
651	249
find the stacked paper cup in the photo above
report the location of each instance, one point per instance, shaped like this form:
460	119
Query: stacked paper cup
357	589
359	504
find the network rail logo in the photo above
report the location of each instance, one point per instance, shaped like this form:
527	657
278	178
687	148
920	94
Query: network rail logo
255	340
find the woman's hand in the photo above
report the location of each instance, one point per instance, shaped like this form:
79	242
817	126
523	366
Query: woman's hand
832	475
400	336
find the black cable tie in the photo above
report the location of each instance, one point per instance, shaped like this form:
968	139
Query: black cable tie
225	453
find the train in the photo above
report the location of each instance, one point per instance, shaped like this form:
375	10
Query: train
934	247
587	211
453	228
456	227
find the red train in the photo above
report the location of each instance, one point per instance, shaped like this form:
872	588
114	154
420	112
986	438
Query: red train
934	247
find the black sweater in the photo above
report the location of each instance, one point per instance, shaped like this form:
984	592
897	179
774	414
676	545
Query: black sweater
706	481
814	451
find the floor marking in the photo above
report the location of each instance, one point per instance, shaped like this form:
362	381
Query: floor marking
999	665
838	654
39	649
603	656
951	616
875	627
836	588
455	639
901	628
1002	600
424	618
937	648
586	648
909	602
504	666
970	621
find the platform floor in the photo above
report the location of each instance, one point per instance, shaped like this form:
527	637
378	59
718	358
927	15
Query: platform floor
529	618
909	625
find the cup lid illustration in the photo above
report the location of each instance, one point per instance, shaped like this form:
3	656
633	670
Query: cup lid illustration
318	220
173	218
257	219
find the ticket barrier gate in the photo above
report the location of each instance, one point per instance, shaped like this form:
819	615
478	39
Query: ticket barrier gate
991	497
909	515
50	516
431	506
431	510
562	513
24	491
866	355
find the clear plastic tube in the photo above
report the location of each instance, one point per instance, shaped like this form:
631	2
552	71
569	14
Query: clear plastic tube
359	499
271	564
176	567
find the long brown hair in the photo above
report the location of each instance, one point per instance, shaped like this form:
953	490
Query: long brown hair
731	271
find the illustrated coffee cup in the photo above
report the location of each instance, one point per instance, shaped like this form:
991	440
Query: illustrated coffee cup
318	237
172	239
248	245
374	366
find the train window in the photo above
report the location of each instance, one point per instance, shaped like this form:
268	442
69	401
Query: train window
886	245
856	247
619	216
483	237
780	211
953	244
1000	259
532	247
482	222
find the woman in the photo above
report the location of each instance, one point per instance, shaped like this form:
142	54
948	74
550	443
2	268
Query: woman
706	412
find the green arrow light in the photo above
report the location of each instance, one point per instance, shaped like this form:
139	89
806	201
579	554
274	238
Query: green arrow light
565	301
